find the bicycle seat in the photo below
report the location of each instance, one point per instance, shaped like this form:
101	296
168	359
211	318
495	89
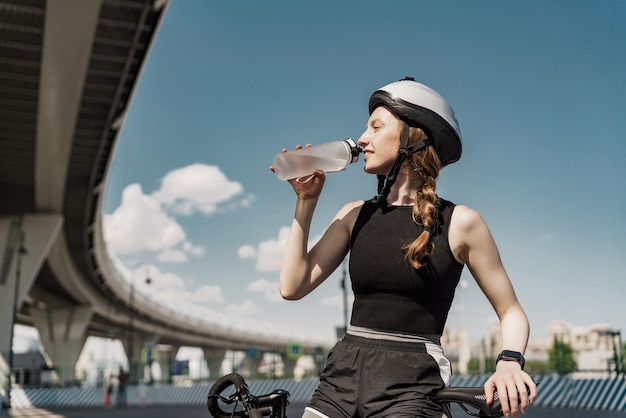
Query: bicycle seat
472	396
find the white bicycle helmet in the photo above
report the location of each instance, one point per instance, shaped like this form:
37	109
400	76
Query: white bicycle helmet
420	105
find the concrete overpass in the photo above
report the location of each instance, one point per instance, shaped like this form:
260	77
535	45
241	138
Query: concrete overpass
68	70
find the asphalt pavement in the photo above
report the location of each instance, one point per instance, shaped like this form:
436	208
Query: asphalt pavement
293	411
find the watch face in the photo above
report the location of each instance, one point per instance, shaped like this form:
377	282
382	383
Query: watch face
512	354
509	355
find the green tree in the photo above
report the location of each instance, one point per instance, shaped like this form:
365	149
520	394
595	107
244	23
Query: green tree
561	357
537	367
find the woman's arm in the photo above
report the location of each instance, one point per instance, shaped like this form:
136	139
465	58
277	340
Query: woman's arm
472	244
303	270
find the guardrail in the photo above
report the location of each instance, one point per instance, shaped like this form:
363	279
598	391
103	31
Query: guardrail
608	394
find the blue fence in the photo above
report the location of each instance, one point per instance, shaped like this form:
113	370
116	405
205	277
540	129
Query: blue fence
554	391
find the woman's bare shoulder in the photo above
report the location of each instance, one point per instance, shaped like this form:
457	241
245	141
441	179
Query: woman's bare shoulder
467	228
350	210
465	218
354	205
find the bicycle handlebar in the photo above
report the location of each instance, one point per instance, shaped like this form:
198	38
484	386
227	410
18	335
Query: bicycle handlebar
473	396
273	404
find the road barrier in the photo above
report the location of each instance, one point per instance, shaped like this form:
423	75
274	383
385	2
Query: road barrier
608	394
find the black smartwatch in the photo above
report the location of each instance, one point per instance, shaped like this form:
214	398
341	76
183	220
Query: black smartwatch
508	355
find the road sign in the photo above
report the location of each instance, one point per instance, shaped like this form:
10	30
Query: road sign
294	351
252	352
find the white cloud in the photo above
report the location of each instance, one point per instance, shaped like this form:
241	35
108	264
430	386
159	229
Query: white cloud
246	251
269	289
159	281
145	222
270	253
247	201
172	256
170	289
208	294
196	188
139	224
246	308
193	249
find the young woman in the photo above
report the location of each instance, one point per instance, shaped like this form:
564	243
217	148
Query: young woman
407	249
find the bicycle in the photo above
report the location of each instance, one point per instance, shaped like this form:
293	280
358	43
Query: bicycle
242	403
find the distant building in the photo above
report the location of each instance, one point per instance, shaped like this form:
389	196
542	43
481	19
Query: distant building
31	369
594	346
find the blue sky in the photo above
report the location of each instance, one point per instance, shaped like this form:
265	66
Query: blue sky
539	91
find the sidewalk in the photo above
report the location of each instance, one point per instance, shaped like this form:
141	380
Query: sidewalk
294	410
28	412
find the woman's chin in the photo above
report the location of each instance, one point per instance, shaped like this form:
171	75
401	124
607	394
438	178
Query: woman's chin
375	170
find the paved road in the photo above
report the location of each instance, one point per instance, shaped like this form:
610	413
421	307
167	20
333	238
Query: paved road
293	411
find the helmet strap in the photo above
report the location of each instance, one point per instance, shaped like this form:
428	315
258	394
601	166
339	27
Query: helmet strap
385	183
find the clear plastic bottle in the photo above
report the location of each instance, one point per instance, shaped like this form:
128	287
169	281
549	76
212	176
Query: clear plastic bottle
328	157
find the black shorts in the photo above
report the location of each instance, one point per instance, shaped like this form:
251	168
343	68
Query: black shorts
367	377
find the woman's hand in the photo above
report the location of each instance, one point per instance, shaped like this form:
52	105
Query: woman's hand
516	389
308	187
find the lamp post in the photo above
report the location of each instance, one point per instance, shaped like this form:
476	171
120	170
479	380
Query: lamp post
618	350
6	401
344	288
131	301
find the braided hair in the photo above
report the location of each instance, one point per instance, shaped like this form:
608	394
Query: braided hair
426	165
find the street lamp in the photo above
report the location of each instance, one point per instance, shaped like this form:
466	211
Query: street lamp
342	330
618	349
344	286
131	301
6	401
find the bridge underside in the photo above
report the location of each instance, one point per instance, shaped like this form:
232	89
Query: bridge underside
68	70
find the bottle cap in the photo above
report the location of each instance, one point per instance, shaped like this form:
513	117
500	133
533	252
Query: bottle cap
355	150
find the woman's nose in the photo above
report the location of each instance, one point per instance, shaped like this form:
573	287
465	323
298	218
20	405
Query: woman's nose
362	141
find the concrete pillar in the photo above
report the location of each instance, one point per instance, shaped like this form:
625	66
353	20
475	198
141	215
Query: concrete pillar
250	364
35	234
214	358
289	364
165	355
63	333
25	242
136	364
139	364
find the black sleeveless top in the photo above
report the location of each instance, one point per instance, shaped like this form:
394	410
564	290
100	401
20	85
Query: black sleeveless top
389	294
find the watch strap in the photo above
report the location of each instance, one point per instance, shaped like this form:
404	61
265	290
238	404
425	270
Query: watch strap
510	355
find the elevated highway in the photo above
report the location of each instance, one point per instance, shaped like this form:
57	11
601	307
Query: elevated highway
68	70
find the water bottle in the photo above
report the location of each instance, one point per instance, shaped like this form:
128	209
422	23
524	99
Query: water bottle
328	157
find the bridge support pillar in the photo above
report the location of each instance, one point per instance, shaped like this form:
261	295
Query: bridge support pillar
251	366
289	364
144	353
63	333
164	357
138	360
25	242
214	358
